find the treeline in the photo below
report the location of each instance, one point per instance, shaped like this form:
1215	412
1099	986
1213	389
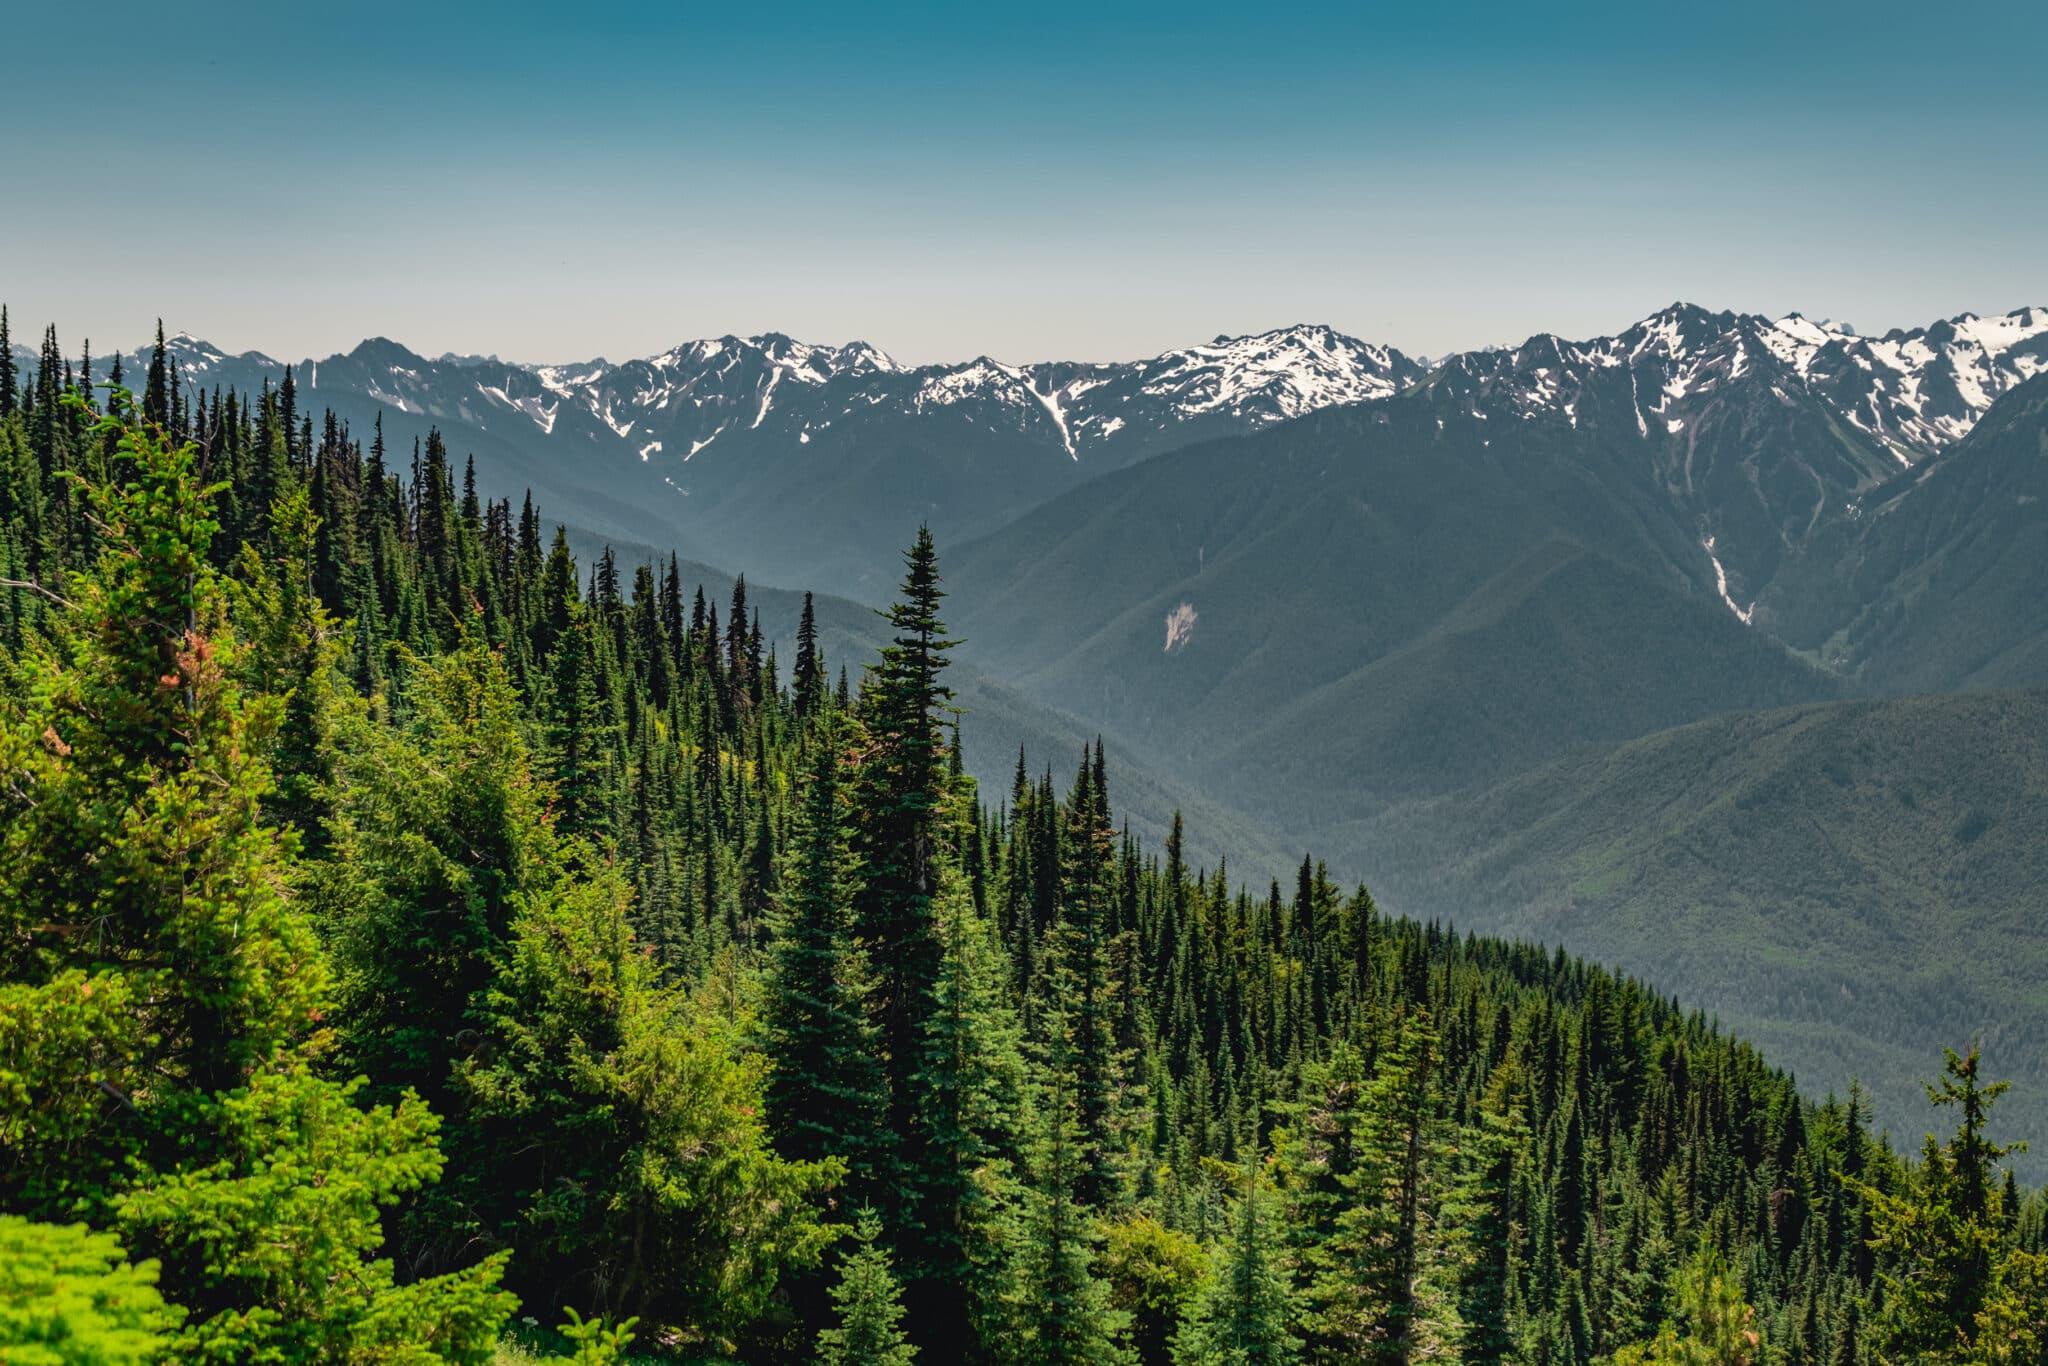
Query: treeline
397	925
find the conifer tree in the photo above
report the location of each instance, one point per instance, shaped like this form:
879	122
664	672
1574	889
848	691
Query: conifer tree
1155	1274
825	1092
1713	1324
869	1330
898	841
1084	980
1065	1314
156	394
1317	1159
1941	1239
1245	1313
1483	1211
292	653
150	927
972	1099
1370	1285
808	676
8	380
438	839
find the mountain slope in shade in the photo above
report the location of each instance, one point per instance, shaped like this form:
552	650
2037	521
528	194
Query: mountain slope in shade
1562	650
1940	578
1841	883
1369	604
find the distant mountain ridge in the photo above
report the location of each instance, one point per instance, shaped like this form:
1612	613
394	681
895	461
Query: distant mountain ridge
1915	390
804	462
1763	433
685	398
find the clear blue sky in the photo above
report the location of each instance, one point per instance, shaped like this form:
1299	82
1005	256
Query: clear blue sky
1027	180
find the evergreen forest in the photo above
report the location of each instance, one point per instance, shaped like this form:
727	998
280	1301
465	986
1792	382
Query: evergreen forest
419	946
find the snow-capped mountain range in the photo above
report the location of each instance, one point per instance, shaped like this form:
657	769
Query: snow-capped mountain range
1914	391
680	403
806	462
1756	433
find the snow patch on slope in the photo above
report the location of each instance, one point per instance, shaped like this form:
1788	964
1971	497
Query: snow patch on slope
1742	614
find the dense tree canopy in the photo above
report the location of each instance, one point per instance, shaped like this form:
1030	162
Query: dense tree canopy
399	920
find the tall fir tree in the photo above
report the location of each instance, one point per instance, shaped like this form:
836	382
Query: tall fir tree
1245	1313
825	1092
899	843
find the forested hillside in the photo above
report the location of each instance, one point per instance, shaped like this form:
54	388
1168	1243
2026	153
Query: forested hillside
411	937
1837	882
1457	643
1447	597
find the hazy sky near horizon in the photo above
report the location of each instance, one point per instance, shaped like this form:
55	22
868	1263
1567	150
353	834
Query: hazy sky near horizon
553	182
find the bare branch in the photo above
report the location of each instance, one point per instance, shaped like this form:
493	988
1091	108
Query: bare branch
32	586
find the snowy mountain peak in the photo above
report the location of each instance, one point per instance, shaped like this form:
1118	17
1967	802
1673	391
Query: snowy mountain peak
1921	389
196	356
1270	376
803	361
1914	391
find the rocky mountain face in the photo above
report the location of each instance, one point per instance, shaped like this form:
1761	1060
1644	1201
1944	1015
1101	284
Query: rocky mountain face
1762	433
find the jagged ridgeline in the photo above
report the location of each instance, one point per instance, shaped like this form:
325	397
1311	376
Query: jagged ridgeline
409	936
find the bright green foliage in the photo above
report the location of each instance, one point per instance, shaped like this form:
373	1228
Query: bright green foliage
63	1043
1245	1313
609	1127
2012	1327
619	1133
1714	1325
277	1225
1943	1235
869	1330
597	1343
438	835
163	996
1154	1272
140	888
67	1298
